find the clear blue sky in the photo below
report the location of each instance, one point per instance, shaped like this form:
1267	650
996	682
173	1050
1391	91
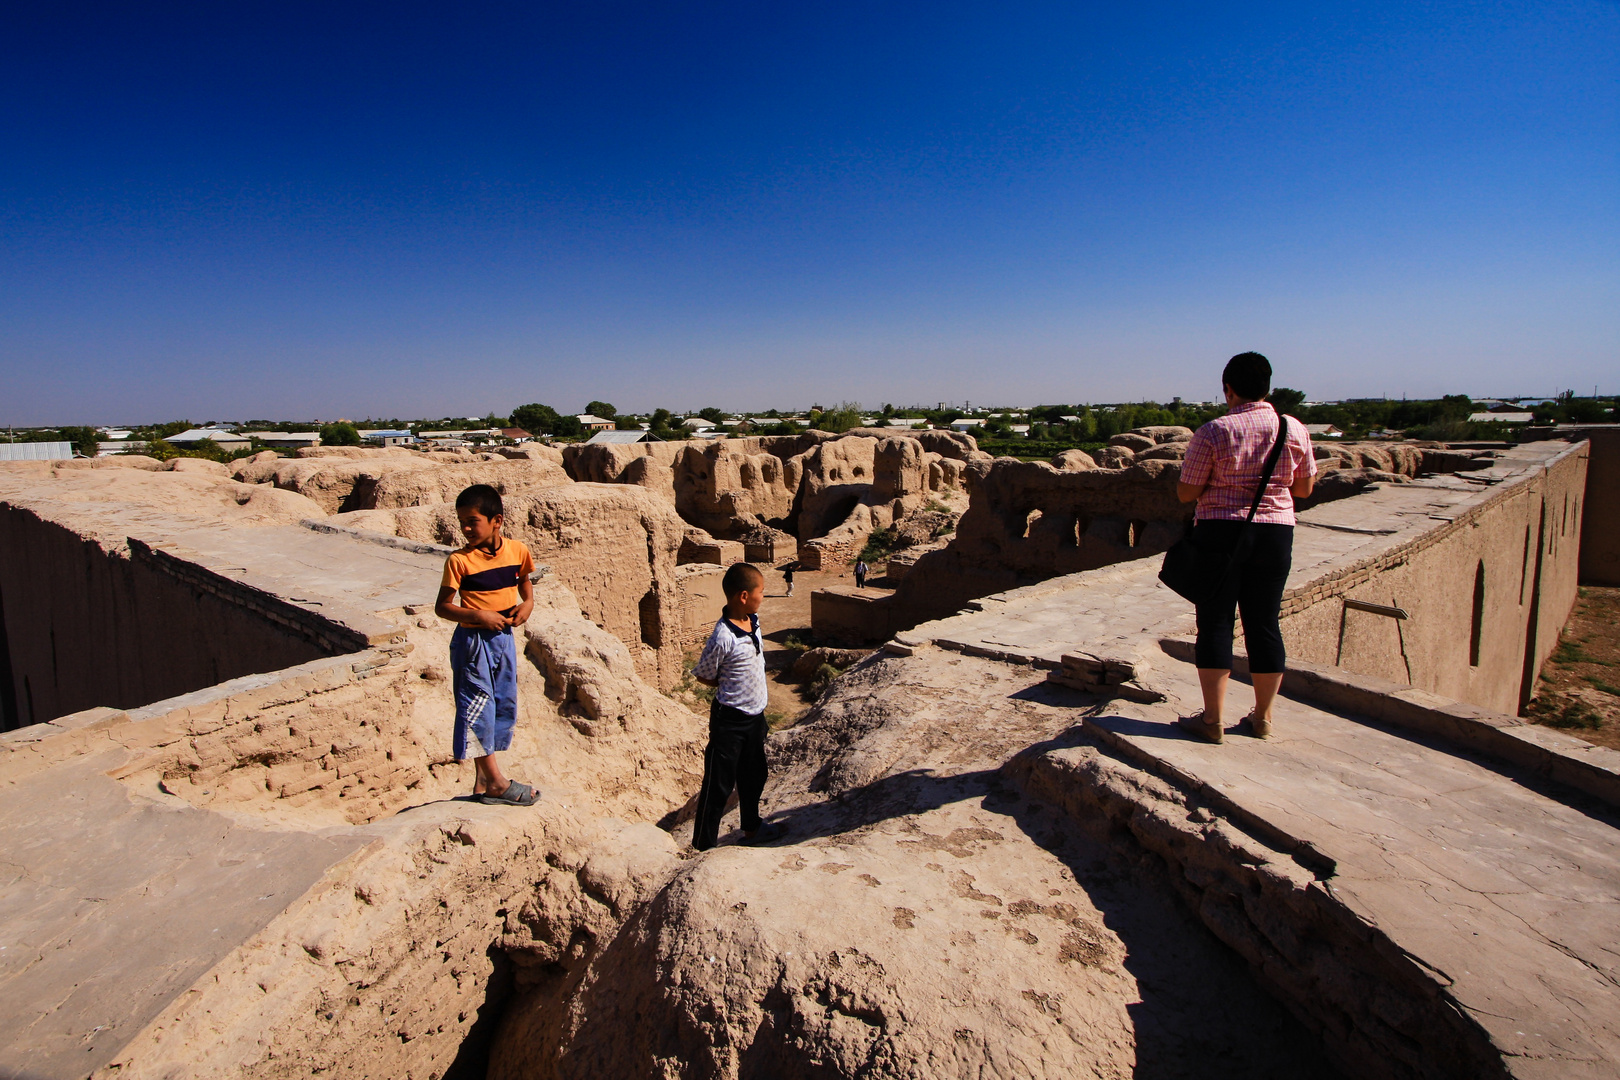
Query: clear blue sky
223	211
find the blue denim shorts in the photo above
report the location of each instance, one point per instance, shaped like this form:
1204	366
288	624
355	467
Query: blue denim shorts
483	665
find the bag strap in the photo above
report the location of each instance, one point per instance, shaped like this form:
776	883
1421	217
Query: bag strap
1271	466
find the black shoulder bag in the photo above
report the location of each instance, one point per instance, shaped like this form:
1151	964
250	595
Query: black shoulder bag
1199	575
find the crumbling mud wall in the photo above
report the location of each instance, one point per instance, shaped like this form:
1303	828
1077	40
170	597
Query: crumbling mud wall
1028	521
398	959
1484	593
90	622
808	485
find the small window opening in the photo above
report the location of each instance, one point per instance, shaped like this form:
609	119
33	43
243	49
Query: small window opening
1478	624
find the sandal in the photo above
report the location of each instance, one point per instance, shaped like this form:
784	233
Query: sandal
517	793
1199	727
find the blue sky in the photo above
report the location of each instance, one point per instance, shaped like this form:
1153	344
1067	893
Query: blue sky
298	209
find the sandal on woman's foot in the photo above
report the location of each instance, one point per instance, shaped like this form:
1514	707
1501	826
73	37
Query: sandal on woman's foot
516	794
1260	729
1198	726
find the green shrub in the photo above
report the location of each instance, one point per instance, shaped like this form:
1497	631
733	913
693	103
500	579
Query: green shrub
823	678
878	546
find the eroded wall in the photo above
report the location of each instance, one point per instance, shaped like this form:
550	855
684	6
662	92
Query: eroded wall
87	626
1516	552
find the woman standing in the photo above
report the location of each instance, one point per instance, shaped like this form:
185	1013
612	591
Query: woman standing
1222	472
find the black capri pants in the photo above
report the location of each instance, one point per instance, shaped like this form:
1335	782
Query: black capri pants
1260	566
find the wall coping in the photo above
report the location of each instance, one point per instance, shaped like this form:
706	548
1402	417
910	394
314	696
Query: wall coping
1565	759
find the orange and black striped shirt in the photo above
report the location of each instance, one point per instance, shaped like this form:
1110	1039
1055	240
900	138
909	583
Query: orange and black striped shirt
489	582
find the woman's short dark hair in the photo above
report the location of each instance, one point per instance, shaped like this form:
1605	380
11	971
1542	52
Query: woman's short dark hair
1249	375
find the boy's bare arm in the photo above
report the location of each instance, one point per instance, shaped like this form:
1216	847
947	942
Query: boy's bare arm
705	682
464	616
525	602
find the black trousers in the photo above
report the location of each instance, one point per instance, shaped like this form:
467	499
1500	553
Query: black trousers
1255	586
734	758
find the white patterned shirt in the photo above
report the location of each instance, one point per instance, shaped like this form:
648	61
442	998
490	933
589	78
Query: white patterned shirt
736	659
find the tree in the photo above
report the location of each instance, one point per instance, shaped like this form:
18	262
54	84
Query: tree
1287	401
535	418
624	423
604	409
341	433
712	414
84	439
839	420
568	427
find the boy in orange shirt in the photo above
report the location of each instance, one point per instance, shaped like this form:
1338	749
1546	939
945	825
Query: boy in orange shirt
492	575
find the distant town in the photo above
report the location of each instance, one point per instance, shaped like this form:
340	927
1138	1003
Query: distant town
1032	432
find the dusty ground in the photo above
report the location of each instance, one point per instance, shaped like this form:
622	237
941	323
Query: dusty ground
785	619
1579	689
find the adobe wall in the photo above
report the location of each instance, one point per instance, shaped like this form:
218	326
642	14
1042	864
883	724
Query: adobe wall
1523	540
88	626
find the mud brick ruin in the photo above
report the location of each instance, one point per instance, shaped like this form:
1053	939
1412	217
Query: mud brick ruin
232	845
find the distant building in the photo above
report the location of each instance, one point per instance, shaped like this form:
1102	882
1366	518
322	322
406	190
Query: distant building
516	434
35	451
1323	431
121	446
114	434
1501	417
967	423
229	440
287	440
697	423
622	437
389	438
594	423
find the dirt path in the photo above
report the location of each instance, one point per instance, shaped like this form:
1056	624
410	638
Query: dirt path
787	618
1579	688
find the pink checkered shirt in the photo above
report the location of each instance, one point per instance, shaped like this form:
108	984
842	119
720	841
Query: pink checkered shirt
1229	454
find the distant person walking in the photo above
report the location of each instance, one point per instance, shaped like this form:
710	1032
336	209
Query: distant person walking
1222	472
860	573
787	576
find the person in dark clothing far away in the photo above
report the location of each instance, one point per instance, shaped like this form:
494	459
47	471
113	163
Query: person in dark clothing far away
860	573
733	660
1221	473
787	576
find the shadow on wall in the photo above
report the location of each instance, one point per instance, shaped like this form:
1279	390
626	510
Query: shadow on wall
85	627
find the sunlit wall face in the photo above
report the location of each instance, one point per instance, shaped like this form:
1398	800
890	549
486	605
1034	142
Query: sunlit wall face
413	210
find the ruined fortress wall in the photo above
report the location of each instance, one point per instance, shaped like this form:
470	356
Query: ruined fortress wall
1486	593
85	626
1029	521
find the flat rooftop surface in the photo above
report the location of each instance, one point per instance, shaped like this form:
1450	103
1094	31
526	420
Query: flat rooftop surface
112	903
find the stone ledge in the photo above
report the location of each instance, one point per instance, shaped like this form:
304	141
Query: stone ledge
1383	1010
1573	762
